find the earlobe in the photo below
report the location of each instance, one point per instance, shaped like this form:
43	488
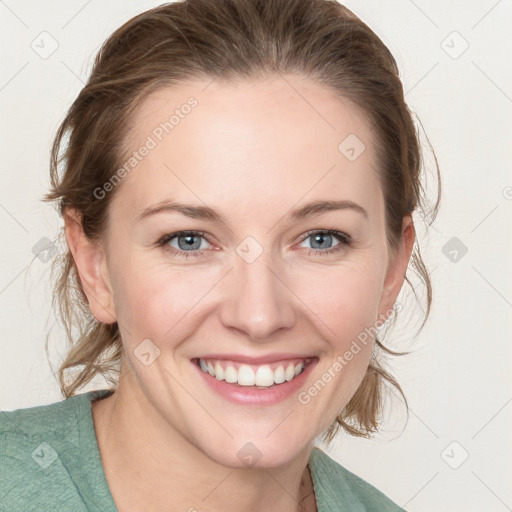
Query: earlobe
397	269
91	264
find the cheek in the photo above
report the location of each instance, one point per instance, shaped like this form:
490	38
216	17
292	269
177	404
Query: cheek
344	300
157	301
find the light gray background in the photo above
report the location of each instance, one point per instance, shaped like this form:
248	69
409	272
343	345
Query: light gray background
457	380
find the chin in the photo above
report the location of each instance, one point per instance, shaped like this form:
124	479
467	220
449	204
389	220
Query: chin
257	450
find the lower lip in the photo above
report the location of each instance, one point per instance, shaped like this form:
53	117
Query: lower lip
257	396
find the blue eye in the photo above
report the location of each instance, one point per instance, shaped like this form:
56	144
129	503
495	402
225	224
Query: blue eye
320	237
187	246
189	242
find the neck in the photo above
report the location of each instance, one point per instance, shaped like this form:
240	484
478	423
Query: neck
149	465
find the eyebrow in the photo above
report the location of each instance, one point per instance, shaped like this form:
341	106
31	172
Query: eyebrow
309	210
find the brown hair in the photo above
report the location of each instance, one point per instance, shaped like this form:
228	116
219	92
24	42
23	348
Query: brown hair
228	39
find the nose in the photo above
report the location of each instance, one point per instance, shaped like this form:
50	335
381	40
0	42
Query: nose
257	301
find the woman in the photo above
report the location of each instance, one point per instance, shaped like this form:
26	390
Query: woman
212	143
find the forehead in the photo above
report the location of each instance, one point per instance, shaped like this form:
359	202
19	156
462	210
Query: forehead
258	141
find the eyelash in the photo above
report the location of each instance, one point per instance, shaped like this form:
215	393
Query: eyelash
344	239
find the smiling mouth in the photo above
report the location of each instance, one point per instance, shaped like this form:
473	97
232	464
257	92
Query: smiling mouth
257	376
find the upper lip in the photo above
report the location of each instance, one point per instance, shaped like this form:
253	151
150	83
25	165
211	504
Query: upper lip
269	358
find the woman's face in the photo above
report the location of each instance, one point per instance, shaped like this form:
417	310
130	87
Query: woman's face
260	285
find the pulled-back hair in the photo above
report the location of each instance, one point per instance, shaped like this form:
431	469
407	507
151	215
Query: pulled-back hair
229	40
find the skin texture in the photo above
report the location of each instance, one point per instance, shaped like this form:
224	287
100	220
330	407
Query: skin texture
252	151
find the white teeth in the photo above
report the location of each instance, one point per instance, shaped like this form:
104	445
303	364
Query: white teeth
289	372
219	372
230	375
264	376
279	375
246	376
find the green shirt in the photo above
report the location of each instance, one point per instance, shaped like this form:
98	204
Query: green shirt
50	461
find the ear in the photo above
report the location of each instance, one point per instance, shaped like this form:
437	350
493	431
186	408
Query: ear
397	268
91	264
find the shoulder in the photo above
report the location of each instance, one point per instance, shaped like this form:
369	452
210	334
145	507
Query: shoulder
39	446
27	421
338	489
